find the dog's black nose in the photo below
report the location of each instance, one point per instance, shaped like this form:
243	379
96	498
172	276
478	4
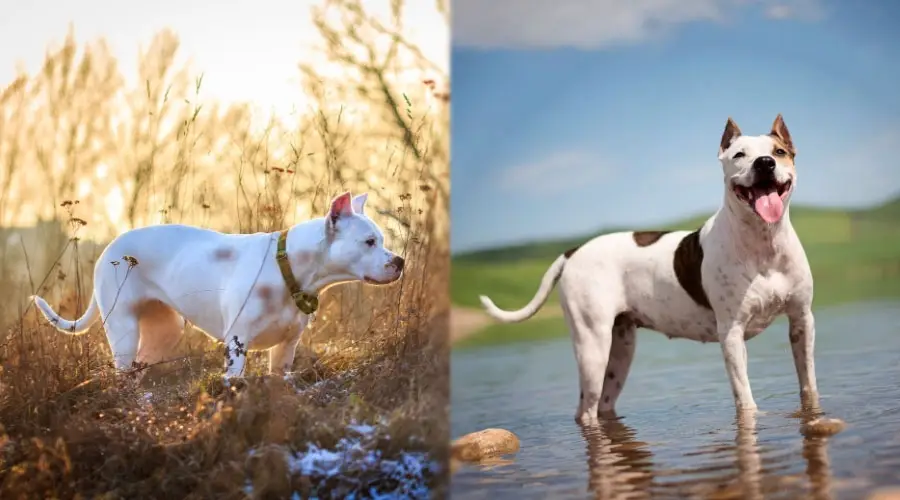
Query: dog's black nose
764	164
397	262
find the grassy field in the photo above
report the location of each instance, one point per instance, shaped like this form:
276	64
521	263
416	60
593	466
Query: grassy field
854	255
365	410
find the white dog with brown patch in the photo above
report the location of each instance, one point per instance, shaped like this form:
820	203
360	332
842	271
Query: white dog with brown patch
251	291
725	282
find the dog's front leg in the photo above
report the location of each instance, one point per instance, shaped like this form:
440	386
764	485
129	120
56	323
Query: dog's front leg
235	357
281	357
802	333
734	350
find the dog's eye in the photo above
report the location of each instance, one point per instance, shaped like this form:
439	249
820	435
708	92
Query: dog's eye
370	242
780	152
739	154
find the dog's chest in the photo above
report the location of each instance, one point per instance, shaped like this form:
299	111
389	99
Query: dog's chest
276	322
764	300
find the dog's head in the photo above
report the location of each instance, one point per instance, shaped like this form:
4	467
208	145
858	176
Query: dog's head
759	170
356	243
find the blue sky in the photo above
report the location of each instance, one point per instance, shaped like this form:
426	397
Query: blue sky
569	119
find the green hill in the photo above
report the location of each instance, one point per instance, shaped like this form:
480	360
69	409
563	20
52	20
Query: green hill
854	255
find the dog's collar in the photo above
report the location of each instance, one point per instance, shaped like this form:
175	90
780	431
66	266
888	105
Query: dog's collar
306	302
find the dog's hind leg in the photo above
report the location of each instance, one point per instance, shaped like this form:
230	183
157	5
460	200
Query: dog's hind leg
591	331
621	353
115	297
123	334
161	328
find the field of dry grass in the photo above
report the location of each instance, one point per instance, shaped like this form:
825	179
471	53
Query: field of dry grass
83	156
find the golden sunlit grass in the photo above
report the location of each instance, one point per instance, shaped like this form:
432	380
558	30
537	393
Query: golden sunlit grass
367	408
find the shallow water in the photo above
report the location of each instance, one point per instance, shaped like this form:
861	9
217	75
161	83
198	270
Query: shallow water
677	435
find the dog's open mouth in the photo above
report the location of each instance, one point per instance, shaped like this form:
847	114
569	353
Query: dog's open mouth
766	198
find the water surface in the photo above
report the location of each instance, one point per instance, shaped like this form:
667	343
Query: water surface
677	435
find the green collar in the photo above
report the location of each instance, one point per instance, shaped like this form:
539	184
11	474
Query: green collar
306	302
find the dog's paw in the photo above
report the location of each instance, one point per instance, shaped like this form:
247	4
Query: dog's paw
234	384
216	386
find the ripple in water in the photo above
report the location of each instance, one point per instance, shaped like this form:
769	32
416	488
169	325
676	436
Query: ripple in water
677	436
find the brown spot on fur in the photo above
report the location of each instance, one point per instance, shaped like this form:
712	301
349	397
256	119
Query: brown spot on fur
302	259
732	132
267	295
647	238
687	261
223	253
788	153
783	154
611	375
161	327
782	136
783	149
794	338
567	254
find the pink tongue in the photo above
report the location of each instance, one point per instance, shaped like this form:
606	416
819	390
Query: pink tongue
769	206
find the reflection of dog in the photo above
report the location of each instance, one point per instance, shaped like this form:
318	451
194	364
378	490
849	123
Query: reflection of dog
620	466
725	282
253	291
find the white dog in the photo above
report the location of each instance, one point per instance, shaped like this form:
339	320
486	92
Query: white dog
725	282
251	291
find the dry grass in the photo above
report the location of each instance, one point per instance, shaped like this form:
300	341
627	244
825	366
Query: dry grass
71	427
366	409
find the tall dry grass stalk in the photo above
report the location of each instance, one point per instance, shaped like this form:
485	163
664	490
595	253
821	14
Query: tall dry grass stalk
83	156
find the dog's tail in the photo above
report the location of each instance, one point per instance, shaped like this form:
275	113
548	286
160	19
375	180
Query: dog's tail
76	327
547	283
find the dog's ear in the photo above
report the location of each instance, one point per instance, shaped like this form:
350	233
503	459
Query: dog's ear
780	130
340	207
359	202
732	132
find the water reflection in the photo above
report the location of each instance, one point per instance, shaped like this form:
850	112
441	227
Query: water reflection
619	465
622	466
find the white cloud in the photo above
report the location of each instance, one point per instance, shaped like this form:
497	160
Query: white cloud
556	173
593	24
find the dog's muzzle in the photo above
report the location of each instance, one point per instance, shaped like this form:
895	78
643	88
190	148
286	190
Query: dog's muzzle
765	195
396	264
764	167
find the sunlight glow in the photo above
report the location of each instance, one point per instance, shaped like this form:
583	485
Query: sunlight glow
84	188
102	170
239	63
115	207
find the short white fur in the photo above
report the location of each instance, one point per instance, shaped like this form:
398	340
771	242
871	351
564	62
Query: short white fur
227	285
752	271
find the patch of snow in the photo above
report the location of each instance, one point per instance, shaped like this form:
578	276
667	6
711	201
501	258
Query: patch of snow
355	458
363	429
